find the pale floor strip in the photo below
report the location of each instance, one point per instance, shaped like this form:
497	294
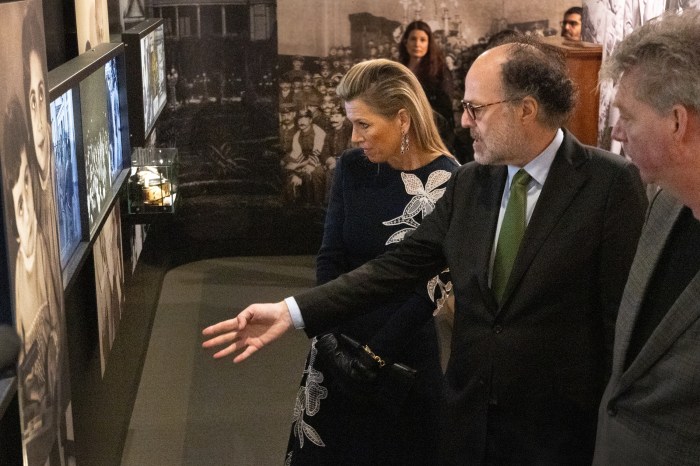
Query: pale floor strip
192	410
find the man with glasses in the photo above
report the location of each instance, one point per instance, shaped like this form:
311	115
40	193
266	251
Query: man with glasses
571	25
538	267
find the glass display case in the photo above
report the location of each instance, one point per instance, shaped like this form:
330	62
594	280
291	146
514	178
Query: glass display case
153	180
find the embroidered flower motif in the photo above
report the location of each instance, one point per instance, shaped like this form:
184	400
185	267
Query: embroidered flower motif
440	290
422	203
308	402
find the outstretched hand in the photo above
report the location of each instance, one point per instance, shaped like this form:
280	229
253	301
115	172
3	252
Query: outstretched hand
256	326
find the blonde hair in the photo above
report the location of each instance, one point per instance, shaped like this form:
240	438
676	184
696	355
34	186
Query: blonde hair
386	87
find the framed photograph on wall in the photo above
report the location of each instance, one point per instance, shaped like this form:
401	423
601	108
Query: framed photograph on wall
145	63
63	136
109	282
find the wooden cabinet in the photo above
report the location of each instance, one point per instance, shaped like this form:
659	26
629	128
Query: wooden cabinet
583	60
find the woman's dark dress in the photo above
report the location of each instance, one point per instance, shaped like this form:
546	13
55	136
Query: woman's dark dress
372	207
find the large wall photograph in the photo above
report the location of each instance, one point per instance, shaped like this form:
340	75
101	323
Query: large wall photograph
312	125
221	113
96	147
31	233
67	200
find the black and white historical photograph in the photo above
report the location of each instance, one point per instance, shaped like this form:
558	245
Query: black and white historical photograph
222	113
92	23
136	235
344	33
65	157
607	22
114	118
93	102
109	282
30	220
153	76
124	14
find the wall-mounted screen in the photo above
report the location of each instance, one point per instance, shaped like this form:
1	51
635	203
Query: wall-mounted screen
91	139
114	119
63	135
145	66
153	73
93	104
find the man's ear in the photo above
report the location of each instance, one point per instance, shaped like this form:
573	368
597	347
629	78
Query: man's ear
529	107
679	119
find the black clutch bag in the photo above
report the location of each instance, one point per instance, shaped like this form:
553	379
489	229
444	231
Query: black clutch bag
364	377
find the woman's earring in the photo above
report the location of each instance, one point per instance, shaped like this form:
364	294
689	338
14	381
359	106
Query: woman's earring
404	143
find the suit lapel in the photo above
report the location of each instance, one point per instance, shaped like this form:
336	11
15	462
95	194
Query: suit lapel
684	311
489	202
565	178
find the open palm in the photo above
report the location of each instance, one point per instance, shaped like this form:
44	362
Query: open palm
256	326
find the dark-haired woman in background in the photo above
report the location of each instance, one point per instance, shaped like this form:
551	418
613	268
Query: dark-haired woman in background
422	55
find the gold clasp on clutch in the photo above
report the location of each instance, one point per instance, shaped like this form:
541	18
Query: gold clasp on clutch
379	360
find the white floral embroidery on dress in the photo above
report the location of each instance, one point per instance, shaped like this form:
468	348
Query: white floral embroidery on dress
423	201
309	401
309	396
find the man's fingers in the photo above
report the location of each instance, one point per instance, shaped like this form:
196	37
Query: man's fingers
226	351
220	340
236	324
245	354
224	326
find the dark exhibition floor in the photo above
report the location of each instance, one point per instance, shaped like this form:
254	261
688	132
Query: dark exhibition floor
193	410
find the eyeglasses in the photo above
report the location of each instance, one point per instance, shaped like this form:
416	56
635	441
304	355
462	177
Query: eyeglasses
471	108
573	24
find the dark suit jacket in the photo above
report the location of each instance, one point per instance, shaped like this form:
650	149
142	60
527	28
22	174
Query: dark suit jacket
650	413
524	378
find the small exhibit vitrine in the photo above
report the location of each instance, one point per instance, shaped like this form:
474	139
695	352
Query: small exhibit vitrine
152	182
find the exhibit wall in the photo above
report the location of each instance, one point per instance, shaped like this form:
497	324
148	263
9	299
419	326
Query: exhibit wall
225	64
31	237
607	23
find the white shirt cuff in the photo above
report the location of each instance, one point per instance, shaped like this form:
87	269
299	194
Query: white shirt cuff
295	313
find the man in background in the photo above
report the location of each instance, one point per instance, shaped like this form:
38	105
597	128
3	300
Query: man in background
571	24
650	412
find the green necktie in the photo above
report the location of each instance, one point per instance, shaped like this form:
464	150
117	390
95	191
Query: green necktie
512	230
